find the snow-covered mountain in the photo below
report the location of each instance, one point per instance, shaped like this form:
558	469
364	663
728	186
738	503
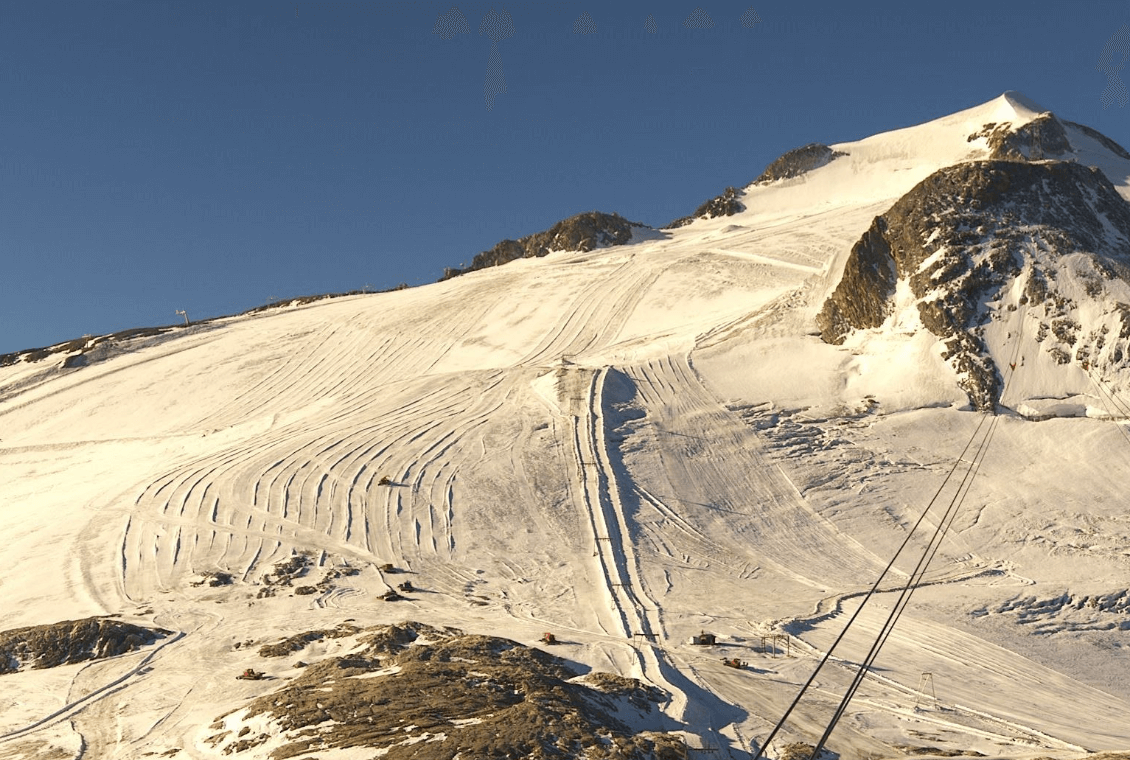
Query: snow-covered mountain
1036	244
487	517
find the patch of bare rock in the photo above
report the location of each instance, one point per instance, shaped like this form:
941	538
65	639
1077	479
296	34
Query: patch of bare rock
415	691
798	161
70	641
299	641
726	204
582	232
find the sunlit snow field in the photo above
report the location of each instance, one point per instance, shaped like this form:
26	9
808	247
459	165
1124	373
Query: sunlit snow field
647	439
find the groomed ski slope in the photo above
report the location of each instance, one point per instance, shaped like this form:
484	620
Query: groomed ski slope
624	447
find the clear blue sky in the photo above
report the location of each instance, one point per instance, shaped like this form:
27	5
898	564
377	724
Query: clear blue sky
211	156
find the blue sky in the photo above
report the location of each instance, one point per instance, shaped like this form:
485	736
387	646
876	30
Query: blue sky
212	156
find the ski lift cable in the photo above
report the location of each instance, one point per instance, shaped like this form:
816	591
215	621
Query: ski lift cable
941	487
1015	352
928	554
1111	397
911	586
1113	401
874	588
940	531
904	598
895	615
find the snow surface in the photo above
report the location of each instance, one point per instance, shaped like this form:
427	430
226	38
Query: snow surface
643	439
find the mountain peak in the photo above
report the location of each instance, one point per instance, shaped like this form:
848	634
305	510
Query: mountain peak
1021	105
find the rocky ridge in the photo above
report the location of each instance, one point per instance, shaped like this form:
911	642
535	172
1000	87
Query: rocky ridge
582	232
726	204
797	162
89	349
1044	137
791	164
965	234
595	229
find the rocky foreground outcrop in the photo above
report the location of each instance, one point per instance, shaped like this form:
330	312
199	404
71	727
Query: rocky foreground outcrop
419	692
71	641
583	232
965	234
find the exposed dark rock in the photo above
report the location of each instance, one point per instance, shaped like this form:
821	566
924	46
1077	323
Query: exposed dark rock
1070	611
1045	137
299	641
214	579
792	164
799	161
629	688
803	751
937	751
70	641
82	345
1036	289
390	639
583	232
334	574
282	303
862	299
285	572
962	234
1123	311
726	204
453	695
1041	138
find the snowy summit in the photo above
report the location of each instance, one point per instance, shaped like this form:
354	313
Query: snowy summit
614	499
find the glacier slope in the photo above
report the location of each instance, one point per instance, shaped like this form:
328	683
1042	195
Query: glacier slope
647	439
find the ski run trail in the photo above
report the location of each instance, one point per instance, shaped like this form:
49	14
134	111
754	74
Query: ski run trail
626	448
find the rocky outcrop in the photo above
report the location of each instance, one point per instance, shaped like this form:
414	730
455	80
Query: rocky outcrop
583	232
798	161
726	204
70	641
963	234
1042	138
84	346
868	282
299	641
792	164
1046	137
414	691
